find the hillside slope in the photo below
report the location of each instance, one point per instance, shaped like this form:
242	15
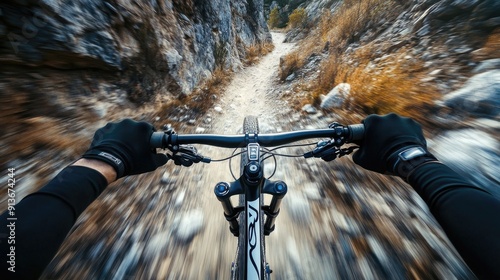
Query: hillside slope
435	61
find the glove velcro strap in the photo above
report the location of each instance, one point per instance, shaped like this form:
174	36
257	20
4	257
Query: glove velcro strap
108	158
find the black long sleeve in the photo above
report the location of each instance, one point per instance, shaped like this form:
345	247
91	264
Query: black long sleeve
43	220
469	216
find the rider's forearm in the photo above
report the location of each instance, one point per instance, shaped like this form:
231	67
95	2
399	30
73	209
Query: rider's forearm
468	215
105	169
43	220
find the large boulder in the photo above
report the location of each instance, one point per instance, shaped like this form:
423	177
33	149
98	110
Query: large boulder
479	97
473	154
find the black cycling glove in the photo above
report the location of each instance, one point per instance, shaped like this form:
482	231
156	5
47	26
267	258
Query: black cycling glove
125	146
392	145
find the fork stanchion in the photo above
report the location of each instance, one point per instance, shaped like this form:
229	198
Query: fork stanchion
224	191
278	191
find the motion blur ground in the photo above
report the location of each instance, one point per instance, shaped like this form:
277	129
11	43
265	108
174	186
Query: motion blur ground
337	220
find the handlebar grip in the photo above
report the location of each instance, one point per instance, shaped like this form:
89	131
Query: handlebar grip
356	132
156	140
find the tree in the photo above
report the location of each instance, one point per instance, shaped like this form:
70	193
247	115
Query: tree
297	18
274	18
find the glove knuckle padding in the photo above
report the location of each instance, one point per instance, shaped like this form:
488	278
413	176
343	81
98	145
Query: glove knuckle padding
384	135
129	141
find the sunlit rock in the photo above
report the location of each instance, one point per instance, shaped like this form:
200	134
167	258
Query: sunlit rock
336	97
308	108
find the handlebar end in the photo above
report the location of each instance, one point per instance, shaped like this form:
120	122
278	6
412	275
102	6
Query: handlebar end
356	132
156	140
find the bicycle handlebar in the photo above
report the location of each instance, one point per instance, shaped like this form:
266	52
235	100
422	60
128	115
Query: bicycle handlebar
350	133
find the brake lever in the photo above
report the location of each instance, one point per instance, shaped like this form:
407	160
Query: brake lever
329	150
325	149
186	155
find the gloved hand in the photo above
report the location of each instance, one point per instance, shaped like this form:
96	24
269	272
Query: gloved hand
385	138
125	146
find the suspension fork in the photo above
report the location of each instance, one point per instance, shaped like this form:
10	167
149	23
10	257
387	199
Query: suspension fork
252	183
224	191
277	189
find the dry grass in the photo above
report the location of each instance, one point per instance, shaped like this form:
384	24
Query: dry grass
289	64
274	18
355	16
255	52
491	48
341	28
392	85
202	98
395	90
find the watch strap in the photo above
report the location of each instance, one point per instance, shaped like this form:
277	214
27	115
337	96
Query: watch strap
110	159
405	160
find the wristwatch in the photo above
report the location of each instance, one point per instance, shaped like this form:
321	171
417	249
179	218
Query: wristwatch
404	161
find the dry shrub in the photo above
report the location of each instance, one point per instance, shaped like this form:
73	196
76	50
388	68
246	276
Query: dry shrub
313	44
256	51
289	64
392	86
328	73
42	133
252	54
202	98
355	16
274	18
491	48
339	29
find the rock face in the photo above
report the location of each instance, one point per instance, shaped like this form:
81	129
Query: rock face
148	47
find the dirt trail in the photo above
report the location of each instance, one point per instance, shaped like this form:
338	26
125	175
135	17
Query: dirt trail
249	91
337	221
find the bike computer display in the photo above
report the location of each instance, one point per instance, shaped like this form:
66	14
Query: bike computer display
253	151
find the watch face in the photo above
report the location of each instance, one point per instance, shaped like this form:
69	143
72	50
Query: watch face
412	153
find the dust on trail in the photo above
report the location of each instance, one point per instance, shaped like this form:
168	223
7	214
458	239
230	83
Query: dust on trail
336	222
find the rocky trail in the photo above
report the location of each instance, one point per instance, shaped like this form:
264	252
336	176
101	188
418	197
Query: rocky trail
337	221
